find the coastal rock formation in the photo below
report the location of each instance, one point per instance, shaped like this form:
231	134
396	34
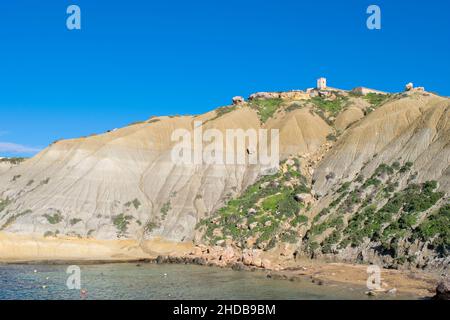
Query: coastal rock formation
443	290
361	179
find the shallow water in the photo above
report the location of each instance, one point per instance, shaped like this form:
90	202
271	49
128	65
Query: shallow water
153	281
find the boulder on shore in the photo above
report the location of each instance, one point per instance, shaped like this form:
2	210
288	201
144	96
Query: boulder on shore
443	290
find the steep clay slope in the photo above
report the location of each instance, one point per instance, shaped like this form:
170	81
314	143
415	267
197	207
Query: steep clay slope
379	195
352	169
125	184
414	128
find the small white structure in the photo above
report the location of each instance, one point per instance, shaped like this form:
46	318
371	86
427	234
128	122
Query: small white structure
409	86
321	83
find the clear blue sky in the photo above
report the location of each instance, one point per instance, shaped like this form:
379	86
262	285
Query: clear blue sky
133	59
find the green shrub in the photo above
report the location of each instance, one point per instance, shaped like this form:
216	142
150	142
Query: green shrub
223	110
266	108
406	167
383	169
150	226
299	220
376	99
13	218
121	222
271	202
74	221
165	209
55	218
332	106
331	137
14	160
436	227
4	203
344	187
371	182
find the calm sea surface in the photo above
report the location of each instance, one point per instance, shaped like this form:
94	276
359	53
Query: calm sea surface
152	281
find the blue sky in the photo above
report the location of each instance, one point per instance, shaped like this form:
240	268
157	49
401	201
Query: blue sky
134	59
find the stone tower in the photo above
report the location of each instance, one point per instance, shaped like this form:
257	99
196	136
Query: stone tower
321	83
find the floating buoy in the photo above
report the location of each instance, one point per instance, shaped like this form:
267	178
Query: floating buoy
44	287
35	271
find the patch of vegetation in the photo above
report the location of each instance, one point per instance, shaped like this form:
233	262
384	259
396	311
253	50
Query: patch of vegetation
13	218
384	169
150	226
136	204
55	218
30	183
289	236
223	110
299	220
74	221
406	167
395	219
344	187
376	99
371	182
331	137
260	212
436	228
51	234
294	106
4	203
121	222
166	207
266	108
14	160
333	107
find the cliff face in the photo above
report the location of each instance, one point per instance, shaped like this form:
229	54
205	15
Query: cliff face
377	192
124	184
352	167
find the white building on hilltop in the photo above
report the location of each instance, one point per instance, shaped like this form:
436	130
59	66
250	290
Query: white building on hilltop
321	83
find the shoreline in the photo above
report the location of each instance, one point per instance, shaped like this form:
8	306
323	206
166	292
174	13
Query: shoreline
320	275
33	250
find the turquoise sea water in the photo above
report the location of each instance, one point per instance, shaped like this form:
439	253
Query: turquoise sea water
152	281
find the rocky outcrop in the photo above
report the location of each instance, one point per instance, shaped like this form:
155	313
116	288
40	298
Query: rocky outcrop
124	183
227	256
289	95
305	198
443	290
238	100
